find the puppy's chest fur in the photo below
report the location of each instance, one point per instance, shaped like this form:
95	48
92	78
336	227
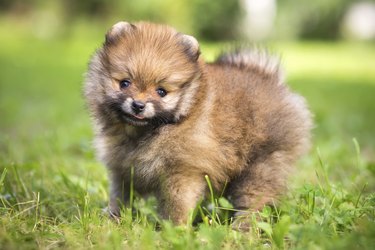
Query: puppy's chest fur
139	151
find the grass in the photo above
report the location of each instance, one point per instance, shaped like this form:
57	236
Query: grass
52	189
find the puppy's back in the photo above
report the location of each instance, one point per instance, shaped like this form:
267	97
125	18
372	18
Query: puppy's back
268	115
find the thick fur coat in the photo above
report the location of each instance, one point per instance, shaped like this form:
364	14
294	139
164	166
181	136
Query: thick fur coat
158	108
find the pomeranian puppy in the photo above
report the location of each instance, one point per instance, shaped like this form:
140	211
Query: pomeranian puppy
158	108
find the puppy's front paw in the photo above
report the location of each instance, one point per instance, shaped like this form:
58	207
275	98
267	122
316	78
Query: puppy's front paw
111	213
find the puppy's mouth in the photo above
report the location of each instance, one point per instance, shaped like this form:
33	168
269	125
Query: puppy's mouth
135	120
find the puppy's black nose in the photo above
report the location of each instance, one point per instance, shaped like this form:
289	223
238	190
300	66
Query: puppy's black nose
138	106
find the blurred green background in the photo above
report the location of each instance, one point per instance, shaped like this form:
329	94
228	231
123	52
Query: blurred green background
45	47
209	20
328	53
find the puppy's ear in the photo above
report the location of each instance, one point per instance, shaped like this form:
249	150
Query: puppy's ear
191	46
118	30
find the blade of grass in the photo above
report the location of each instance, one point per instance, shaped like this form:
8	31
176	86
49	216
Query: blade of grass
358	152
20	182
360	194
37	201
323	180
2	178
213	214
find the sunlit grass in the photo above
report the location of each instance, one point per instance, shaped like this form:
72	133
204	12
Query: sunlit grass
52	189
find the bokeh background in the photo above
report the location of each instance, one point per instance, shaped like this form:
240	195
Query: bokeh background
326	47
208	20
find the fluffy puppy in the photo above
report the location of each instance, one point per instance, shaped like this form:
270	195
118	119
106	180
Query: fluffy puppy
159	108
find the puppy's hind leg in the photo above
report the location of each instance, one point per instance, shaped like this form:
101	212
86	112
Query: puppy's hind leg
259	184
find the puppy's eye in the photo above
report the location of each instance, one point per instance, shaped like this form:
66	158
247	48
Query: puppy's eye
124	83
161	92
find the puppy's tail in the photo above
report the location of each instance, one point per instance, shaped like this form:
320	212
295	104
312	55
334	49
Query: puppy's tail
252	60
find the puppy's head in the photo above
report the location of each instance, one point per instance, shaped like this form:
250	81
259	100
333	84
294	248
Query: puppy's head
144	74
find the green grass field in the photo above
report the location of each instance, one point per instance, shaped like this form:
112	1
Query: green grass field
52	189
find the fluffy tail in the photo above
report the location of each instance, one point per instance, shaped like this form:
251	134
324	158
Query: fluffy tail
252	59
